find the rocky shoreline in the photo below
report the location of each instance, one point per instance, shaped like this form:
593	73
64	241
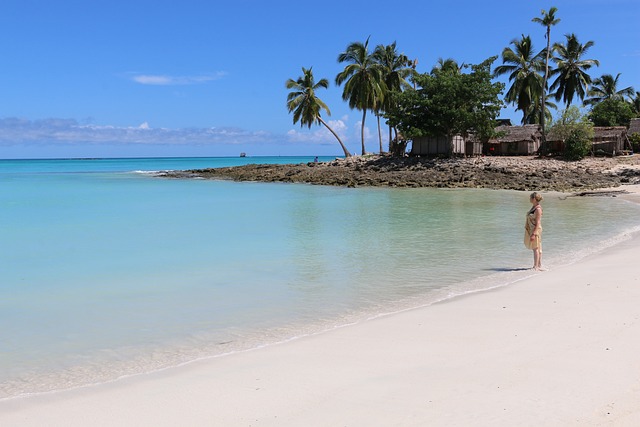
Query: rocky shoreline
513	173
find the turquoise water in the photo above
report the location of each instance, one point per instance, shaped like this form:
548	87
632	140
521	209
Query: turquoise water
108	271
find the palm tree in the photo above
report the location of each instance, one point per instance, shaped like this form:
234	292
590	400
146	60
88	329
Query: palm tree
396	68
606	87
364	87
524	67
548	20
306	106
572	69
534	114
447	65
635	104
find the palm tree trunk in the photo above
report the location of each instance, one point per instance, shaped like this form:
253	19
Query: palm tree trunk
390	139
346	152
379	133
543	142
364	116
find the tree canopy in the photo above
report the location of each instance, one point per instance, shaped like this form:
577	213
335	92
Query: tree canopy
447	102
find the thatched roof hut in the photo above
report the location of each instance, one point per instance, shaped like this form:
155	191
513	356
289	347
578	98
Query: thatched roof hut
515	140
634	126
610	140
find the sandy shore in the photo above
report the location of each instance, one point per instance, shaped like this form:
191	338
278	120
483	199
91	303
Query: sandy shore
561	348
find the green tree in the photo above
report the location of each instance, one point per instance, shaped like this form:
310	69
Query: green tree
606	87
571	69
447	65
396	68
576	131
534	114
548	20
612	112
306	106
450	104
524	67
364	87
635	104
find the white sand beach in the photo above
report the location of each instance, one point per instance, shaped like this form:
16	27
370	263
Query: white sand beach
561	348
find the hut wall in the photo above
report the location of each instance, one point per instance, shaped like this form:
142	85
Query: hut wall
473	148
433	146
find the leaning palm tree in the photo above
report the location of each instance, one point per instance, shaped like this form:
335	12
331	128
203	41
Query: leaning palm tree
606	87
364	87
571	69
548	20
524	67
396	68
306	106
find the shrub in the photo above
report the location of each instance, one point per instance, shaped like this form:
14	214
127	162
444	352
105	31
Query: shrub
635	141
578	144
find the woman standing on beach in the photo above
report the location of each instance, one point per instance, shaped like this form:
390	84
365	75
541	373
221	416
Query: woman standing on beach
533	230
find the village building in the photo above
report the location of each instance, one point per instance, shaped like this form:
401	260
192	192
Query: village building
634	127
523	140
515	141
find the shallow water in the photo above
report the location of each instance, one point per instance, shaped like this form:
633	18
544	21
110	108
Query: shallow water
107	271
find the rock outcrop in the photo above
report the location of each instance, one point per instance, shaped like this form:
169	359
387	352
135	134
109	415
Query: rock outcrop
516	173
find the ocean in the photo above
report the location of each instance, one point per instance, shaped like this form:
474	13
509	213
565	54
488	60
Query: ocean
108	271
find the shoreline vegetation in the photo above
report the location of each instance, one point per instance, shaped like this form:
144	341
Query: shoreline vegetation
505	173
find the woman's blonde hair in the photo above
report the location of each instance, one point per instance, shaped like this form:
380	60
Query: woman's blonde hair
536	196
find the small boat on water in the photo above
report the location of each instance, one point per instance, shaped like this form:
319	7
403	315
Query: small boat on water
243	154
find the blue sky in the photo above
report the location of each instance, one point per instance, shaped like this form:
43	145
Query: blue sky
205	78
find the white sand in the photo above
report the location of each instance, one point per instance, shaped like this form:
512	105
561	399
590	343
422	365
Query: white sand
559	349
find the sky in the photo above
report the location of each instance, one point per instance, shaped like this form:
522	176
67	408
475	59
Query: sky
141	78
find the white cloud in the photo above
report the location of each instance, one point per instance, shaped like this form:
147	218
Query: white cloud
166	80
15	131
320	135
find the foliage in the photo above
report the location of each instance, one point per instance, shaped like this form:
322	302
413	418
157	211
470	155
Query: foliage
576	131
606	87
364	87
635	104
524	67
572	78
612	112
634	138
396	68
305	105
449	103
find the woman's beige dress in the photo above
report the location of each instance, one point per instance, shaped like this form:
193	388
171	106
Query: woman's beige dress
529	225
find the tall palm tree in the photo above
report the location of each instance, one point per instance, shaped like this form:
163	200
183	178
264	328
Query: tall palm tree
571	69
364	87
606	87
306	106
548	20
396	68
524	67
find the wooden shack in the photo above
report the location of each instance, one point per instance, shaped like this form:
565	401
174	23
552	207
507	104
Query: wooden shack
515	141
610	140
634	127
445	146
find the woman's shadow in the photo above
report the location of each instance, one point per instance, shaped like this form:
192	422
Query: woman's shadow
505	269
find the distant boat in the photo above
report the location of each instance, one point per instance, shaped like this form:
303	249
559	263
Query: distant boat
243	154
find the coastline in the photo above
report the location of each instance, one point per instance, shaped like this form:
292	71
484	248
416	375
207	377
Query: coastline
524	173
558	348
